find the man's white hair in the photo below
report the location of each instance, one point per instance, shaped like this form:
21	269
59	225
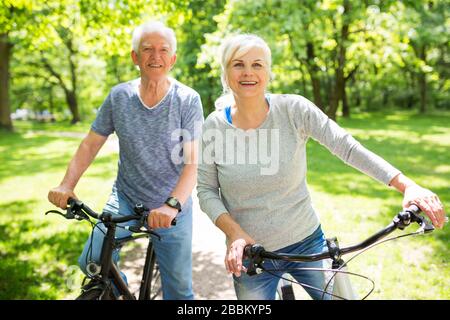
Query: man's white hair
154	27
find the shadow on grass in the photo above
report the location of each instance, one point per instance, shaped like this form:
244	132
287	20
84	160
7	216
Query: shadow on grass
329	174
408	153
25	156
411	123
441	237
18	159
106	167
210	280
34	256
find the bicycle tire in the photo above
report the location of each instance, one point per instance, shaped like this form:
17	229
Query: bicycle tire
96	294
287	292
154	288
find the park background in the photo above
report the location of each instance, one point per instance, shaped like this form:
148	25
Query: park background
379	68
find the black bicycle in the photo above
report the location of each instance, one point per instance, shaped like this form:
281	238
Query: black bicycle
104	278
257	254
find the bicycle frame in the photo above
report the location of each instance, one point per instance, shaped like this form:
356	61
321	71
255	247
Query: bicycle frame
110	271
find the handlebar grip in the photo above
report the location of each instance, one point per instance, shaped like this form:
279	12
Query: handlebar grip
70	201
248	250
414	209
172	223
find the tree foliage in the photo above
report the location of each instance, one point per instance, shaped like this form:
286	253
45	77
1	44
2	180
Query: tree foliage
345	55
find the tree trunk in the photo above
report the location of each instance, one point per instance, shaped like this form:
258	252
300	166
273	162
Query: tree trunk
345	106
313	72
423	82
339	83
71	94
5	109
72	102
312	68
50	100
72	97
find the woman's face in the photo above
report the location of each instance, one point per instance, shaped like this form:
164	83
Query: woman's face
154	56
248	75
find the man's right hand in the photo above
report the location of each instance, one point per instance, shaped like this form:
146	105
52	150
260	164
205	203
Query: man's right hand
60	195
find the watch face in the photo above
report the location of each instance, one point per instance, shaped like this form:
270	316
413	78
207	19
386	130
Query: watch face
172	201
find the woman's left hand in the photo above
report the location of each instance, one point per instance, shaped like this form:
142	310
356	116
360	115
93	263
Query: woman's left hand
427	201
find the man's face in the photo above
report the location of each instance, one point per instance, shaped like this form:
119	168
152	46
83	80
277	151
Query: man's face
154	56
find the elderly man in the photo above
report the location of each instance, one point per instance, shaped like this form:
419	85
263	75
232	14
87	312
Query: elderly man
157	120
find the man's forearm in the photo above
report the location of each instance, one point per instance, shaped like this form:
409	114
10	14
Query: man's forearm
186	183
82	159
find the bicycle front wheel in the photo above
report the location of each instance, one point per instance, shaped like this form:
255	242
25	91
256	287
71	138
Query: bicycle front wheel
151	283
155	288
96	294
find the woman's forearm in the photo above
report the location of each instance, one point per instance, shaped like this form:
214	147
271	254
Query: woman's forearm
231	228
401	182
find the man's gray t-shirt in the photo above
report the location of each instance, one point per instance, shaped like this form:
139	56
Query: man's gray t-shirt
150	139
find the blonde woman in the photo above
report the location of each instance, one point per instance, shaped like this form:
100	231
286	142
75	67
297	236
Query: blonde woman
252	178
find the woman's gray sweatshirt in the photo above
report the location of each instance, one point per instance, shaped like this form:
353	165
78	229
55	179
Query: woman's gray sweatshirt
258	176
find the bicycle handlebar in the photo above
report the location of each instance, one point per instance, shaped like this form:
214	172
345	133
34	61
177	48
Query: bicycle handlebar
80	211
256	252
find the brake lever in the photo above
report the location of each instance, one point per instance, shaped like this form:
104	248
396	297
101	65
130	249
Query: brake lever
252	254
425	225
70	215
60	213
137	229
155	234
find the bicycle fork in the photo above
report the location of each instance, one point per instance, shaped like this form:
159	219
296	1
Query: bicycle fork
145	290
109	273
341	285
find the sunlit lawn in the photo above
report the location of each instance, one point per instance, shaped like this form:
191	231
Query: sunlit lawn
353	206
37	252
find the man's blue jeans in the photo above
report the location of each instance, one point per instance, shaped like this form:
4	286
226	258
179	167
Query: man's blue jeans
173	251
263	286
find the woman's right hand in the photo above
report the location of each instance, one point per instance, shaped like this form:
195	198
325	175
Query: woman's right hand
60	195
235	251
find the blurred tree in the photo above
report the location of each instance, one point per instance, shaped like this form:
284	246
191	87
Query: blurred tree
321	47
311	36
427	31
192	20
65	55
12	15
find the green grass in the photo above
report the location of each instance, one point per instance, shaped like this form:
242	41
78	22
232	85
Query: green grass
352	205
38	254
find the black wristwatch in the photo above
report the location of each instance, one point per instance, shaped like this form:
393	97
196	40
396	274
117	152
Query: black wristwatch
174	203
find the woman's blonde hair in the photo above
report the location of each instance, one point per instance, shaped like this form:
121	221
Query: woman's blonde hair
234	47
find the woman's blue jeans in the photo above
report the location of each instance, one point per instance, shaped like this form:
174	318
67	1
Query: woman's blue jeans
263	286
173	251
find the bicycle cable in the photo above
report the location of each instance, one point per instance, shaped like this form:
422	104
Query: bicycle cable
339	270
91	240
324	292
364	250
